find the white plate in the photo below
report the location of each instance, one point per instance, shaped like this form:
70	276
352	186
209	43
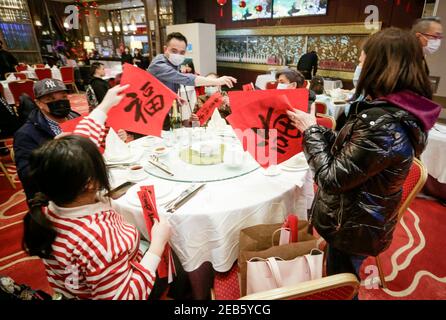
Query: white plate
161	190
143	176
135	156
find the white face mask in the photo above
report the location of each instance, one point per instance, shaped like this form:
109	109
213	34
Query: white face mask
176	59
357	75
210	90
282	86
433	45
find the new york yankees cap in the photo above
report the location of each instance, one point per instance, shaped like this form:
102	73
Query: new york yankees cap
47	86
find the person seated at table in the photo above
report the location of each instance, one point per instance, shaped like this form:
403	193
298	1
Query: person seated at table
99	85
88	249
317	85
7	62
361	171
293	79
42	125
224	109
429	32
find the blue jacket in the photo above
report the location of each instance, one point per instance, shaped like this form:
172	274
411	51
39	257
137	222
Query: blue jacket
34	133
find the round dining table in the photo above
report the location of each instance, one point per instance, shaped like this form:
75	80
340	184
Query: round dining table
207	228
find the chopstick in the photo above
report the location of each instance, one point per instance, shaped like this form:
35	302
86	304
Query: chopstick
161	167
181	202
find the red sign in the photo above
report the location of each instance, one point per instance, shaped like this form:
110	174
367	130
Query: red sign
261	123
147	197
145	106
207	109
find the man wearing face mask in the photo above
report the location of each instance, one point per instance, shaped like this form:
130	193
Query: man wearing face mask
42	125
429	32
293	79
165	67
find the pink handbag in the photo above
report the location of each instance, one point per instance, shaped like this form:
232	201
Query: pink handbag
273	273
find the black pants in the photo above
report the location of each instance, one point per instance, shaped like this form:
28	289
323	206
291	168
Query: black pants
341	262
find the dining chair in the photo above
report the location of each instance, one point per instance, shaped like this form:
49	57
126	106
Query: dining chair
321	108
19	87
21	67
7	175
337	287
18	75
68	77
271	85
326	121
43	73
39	66
412	186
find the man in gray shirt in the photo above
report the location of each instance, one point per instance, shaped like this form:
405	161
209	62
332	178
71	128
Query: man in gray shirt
165	67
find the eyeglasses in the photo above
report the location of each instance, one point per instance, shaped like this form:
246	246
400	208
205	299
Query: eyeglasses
432	36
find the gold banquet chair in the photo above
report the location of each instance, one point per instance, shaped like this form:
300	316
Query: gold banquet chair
342	286
413	184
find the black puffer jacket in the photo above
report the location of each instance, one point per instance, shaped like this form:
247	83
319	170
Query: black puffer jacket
361	171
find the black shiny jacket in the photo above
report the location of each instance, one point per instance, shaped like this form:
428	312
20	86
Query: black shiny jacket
360	173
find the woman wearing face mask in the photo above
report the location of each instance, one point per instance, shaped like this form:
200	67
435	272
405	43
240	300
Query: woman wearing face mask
42	125
224	109
293	79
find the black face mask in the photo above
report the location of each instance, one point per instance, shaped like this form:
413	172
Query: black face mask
59	108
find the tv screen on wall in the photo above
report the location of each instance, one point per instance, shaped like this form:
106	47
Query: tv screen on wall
249	12
297	8
277	9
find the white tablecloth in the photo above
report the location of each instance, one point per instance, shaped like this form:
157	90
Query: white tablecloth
7	93
207	227
334	110
263	79
434	157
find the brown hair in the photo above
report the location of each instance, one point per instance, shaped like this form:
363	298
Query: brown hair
292	76
394	63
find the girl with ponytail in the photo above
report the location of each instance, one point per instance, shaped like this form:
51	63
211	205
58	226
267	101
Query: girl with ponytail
89	251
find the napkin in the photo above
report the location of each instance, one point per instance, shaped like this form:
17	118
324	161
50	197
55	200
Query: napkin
115	148
11	77
47	66
54	67
217	122
29	68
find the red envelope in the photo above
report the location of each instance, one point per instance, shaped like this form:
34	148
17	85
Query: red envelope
263	126
207	109
145	106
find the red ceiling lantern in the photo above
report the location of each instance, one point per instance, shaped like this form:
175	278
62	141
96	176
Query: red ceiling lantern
97	13
86	12
221	3
85	4
242	4
94	4
259	8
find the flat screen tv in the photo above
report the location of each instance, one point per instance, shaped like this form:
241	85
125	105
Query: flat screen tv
249	11
298	8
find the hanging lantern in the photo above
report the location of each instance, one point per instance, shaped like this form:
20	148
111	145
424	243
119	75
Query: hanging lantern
242	4
94	4
259	8
86	12
97	13
221	3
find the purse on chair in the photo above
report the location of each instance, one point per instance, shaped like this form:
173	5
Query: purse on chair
273	273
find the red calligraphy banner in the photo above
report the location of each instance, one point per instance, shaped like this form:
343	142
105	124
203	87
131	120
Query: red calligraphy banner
261	123
166	268
207	109
145	106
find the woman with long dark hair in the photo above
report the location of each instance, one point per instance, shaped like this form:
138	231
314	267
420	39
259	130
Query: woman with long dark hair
360	172
89	251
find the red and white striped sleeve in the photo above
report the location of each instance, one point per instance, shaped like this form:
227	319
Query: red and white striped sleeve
121	279
93	127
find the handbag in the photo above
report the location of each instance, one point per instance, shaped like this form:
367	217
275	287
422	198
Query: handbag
262	241
273	273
